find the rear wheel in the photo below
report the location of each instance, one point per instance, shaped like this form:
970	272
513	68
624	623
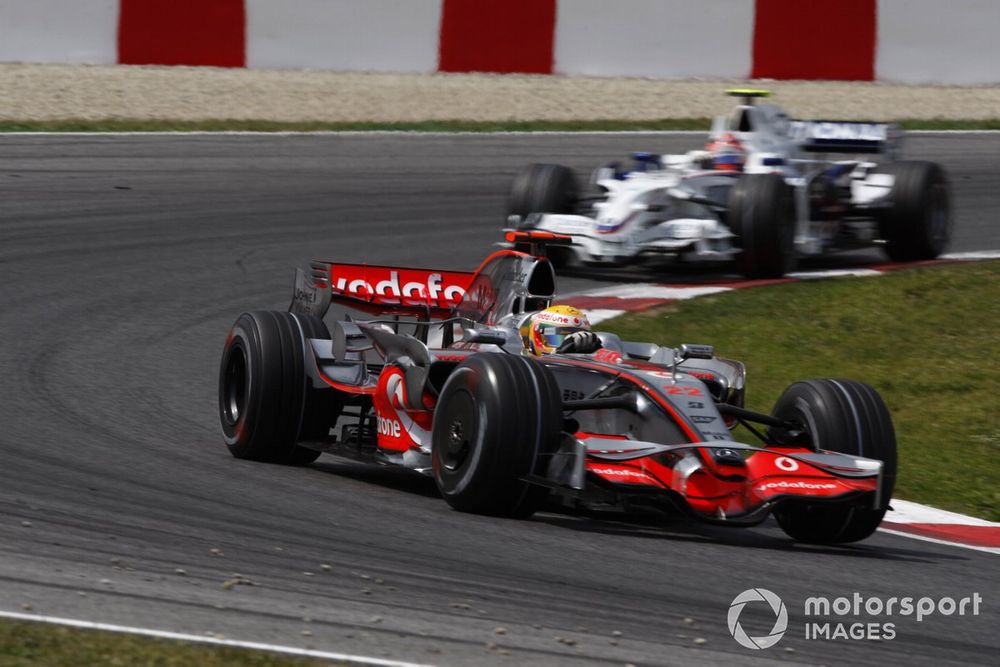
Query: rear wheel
265	405
542	188
761	213
917	225
842	416
498	417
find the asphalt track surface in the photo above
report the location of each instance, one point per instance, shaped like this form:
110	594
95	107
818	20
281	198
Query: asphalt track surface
123	262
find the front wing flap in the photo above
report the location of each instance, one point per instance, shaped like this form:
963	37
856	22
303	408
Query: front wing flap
728	481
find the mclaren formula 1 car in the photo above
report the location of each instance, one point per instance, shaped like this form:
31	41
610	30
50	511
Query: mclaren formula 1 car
435	378
765	192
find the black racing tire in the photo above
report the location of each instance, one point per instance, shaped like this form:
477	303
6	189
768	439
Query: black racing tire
917	225
761	213
842	416
498	418
263	392
542	188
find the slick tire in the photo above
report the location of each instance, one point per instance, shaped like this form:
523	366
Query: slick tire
498	418
917	225
264	400
842	416
761	213
542	188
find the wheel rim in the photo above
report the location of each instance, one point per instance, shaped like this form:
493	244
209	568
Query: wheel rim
234	391
459	437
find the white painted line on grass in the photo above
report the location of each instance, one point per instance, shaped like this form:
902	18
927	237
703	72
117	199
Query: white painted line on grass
200	639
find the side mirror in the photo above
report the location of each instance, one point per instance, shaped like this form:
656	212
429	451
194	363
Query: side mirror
486	336
693	351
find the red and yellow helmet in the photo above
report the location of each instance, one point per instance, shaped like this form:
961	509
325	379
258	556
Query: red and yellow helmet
545	331
727	153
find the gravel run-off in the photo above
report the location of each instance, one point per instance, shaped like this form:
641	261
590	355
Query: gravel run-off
98	92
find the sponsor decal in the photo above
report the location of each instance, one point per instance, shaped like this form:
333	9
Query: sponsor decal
675	390
408	287
306	296
620	472
786	464
518	277
837	131
608	356
819	486
555	318
450	357
389	427
702	419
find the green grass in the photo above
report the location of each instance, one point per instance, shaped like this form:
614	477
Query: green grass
24	644
703	124
927	339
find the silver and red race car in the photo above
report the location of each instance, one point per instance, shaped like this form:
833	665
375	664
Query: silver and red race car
765	192
437	380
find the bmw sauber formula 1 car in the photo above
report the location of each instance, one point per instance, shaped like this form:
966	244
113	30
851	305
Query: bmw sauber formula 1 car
437	380
754	196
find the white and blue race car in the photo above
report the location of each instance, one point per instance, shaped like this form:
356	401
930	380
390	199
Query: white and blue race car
765	191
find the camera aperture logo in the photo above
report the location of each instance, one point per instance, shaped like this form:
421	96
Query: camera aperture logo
780	620
824	618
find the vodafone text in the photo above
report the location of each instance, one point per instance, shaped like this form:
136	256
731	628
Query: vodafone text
389	427
390	288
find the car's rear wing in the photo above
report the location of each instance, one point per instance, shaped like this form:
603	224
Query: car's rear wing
506	282
842	136
376	289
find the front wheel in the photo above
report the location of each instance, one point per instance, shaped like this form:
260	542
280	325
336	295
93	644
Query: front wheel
761	213
841	416
498	419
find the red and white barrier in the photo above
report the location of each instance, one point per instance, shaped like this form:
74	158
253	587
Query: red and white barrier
910	41
59	31
374	35
675	39
931	41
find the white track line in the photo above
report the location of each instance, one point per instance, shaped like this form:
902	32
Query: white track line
905	511
914	536
163	634
978	254
654	291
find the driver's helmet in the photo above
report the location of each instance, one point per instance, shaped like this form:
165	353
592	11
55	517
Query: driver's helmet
545	331
726	153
